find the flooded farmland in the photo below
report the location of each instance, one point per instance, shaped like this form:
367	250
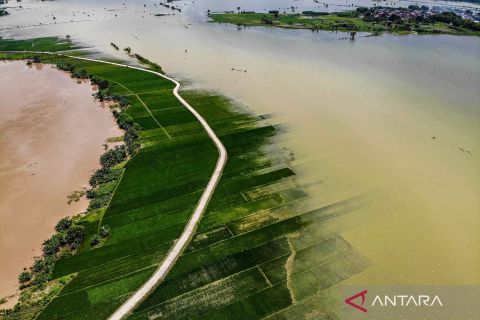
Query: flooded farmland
397	117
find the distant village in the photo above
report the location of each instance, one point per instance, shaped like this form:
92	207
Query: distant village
414	12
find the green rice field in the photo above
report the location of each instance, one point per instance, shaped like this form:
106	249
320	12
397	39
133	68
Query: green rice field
265	247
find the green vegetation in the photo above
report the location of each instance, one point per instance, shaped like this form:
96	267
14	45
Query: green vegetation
375	20
52	44
263	247
33	301
75	196
3	12
148	63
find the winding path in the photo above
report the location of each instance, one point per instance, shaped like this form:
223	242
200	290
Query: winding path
181	243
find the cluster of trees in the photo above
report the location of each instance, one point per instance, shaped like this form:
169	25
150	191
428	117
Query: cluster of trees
132	129
73	70
68	237
114	46
455	20
3	12
104	180
113	156
315	13
104	87
104	175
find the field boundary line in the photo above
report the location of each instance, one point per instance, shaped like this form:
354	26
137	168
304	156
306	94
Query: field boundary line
143	103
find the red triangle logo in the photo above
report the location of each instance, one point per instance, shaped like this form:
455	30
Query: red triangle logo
360	307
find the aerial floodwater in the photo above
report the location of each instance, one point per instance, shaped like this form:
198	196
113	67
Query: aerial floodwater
394	117
51	135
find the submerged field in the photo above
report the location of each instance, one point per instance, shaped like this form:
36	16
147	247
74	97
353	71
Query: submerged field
265	248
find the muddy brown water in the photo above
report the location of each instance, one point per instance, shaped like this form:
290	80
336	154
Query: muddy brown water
51	136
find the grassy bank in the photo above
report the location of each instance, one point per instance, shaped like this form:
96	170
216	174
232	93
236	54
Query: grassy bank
396	21
264	246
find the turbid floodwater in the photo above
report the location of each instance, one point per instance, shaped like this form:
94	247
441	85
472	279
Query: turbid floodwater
51	136
398	117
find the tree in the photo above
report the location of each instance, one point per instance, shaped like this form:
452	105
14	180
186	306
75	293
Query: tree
51	246
128	50
25	277
63	224
75	235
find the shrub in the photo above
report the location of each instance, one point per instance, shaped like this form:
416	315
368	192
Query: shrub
65	66
103	94
122	100
95	240
105	231
38	265
51	246
63	224
101	83
24	277
80	74
40	278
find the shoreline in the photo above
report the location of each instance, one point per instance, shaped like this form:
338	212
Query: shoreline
34	158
